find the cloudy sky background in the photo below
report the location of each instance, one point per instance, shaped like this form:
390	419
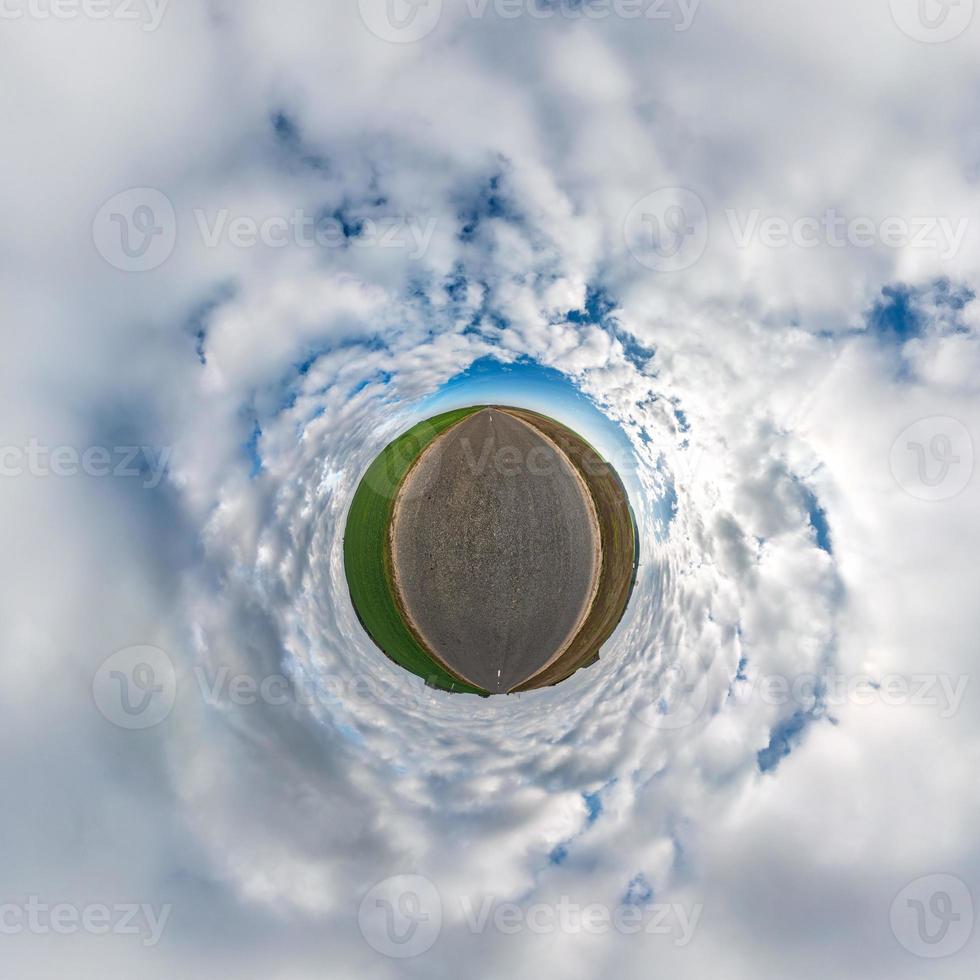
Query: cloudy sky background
753	394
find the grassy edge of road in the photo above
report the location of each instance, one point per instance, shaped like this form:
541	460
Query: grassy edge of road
367	557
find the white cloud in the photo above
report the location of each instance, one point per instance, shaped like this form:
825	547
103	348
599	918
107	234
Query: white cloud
771	403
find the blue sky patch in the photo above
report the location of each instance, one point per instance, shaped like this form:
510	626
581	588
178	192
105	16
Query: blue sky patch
782	740
598	310
638	891
489	202
251	448
526	383
902	312
818	519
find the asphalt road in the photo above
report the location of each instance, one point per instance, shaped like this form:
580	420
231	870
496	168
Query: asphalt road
495	549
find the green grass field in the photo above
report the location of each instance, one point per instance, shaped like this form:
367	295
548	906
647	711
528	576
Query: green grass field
367	558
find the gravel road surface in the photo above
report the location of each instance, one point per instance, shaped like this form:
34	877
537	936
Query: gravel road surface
495	549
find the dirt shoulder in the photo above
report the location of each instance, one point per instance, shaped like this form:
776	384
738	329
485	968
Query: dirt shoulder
619	553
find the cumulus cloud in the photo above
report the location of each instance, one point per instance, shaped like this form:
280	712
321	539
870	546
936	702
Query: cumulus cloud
778	739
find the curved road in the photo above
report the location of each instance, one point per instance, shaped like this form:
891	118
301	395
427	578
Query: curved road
495	548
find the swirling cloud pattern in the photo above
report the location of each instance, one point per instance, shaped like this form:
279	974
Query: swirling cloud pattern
777	740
